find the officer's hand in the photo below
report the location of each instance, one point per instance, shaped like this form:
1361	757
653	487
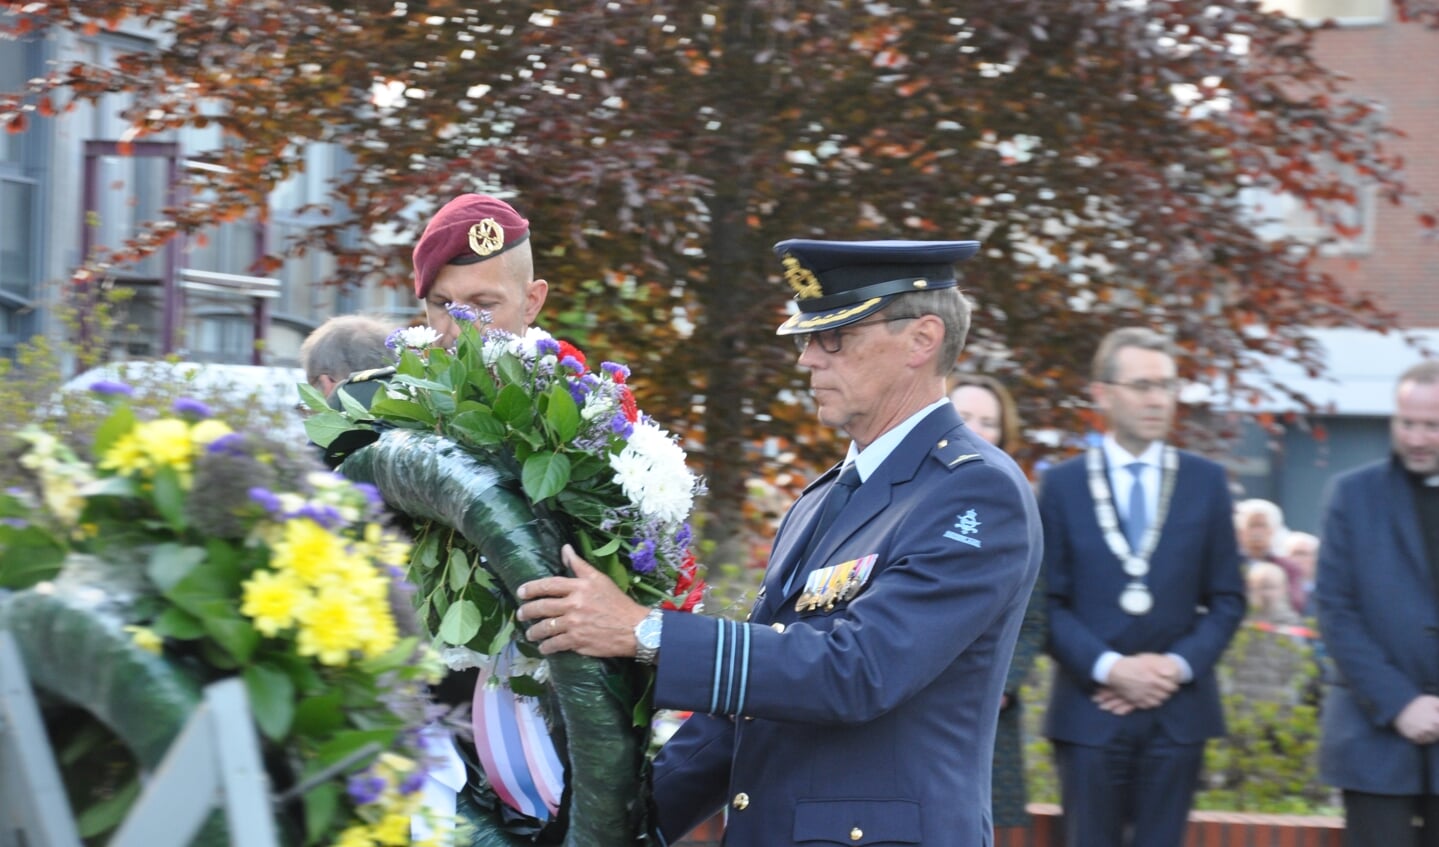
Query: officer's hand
586	613
1419	721
1109	700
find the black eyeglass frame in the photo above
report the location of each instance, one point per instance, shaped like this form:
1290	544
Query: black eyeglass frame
801	341
1144	386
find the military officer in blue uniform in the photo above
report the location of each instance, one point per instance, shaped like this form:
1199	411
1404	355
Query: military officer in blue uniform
858	703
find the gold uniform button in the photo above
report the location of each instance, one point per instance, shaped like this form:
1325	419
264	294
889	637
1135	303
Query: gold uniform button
741	801
856	834
777	626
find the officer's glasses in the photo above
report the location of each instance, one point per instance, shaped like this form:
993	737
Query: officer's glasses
832	340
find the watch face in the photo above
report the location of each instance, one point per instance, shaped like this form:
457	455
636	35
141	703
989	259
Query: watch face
648	633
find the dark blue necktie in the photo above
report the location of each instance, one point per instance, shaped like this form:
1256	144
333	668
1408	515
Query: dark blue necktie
834	500
1138	520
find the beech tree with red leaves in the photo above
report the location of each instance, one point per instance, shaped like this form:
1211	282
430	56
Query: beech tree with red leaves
1105	152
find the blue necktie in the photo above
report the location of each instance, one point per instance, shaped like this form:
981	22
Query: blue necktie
834	500
1138	520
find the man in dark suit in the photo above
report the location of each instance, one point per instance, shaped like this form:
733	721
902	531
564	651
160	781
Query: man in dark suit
1144	594
858	703
1378	595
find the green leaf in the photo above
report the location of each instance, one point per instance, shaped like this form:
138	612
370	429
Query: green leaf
545	475
121	421
170	563
325	427
108	813
426	555
312	397
514	407
478	426
420	382
319	715
322	803
512	370
396	657
354	409
169	497
562	413
272	699
385	407
28	555
461	622
459	569
344	744
608	549
502	638
176	623
232	632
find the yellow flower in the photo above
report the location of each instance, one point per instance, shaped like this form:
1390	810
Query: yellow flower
272	601
355	836
204	433
385	547
393	829
145	638
330	628
126	456
310	551
166	442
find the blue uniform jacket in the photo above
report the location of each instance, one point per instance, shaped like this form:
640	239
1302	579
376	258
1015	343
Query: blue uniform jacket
871	722
1198	601
1379	619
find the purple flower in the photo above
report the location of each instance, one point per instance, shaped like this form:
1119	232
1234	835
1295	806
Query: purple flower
547	347
621	426
619	372
266	498
414	782
394	339
14	523
573	364
323	514
365	788
684	536
110	387
463	312
577	391
642	559
374	501
229	444
193	407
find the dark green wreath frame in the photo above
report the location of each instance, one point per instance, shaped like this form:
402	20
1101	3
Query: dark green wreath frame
428	477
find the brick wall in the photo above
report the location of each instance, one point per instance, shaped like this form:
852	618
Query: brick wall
1206	829
1396	64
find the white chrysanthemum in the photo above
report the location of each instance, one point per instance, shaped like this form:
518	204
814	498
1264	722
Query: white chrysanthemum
651	471
418	337
527	346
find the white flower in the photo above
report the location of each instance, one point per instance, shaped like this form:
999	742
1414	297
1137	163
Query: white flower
418	337
651	471
461	658
527	345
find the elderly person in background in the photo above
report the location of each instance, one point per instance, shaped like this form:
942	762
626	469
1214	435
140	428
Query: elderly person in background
343	345
1259	526
1302	549
986	407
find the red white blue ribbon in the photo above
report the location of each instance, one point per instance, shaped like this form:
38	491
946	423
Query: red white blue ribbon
514	744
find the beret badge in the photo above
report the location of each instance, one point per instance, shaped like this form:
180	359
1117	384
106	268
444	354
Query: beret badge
805	284
487	237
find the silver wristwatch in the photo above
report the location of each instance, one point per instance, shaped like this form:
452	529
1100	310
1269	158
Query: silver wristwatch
647	637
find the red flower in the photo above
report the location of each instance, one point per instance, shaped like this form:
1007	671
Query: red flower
691	600
568	349
627	403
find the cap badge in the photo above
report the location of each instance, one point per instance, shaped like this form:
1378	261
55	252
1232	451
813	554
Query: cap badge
487	237
801	279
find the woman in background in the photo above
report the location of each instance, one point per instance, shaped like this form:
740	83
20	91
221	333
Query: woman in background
987	408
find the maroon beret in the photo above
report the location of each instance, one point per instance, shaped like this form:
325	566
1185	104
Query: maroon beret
470	228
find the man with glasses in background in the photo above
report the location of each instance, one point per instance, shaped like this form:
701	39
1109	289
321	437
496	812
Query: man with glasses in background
1144	592
858	702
